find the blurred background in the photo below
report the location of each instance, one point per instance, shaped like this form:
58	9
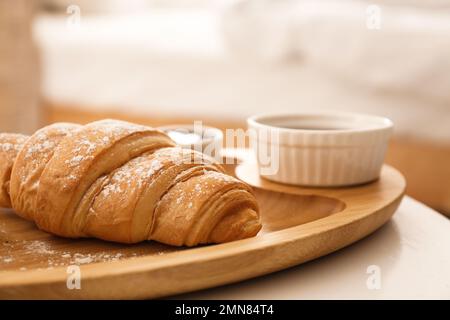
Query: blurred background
172	61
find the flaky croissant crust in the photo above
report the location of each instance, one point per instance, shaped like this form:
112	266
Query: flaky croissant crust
122	182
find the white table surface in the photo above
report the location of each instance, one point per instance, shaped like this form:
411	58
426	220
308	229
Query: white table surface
412	252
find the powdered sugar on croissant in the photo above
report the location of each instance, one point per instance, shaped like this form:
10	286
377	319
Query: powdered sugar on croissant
122	182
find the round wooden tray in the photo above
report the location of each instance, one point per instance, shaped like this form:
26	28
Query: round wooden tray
300	224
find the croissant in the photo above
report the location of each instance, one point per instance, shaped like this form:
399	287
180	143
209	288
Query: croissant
122	182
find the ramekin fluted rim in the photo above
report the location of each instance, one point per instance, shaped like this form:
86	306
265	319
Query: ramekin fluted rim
377	122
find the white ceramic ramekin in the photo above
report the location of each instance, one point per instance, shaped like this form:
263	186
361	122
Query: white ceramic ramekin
320	149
